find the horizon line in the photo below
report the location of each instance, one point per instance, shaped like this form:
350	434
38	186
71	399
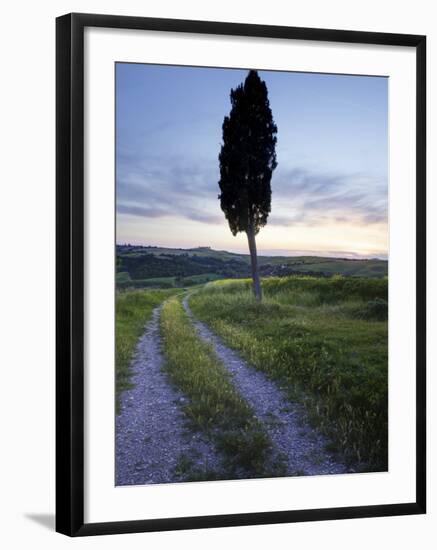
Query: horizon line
344	255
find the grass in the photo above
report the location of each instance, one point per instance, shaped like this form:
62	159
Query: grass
124	281
331	266
200	279
324	340
214	406
133	310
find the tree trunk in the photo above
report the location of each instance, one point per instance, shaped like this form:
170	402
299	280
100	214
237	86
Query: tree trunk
254	264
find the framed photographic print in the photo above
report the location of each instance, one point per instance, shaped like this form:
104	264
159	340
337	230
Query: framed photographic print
240	274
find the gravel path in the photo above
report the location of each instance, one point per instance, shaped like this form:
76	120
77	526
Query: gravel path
151	435
294	441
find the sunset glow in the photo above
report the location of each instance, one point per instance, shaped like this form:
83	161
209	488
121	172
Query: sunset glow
329	192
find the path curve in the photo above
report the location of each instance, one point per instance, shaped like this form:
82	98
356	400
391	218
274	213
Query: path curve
300	446
151	432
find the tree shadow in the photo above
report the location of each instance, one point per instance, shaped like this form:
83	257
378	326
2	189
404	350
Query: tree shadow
46	520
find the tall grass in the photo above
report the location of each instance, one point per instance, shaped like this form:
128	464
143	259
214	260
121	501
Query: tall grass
309	334
214	405
133	310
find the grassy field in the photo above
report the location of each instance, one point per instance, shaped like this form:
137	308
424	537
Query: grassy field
201	279
214	406
125	282
324	340
133	310
152	267
329	266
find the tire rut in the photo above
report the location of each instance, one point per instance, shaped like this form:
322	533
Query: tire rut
151	435
298	445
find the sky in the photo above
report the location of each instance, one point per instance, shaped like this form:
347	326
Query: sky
329	190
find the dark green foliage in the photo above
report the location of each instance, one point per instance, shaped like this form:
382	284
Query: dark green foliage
247	157
376	309
122	277
147	265
247	160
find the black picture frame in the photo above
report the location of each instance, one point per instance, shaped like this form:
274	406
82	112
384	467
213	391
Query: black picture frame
70	273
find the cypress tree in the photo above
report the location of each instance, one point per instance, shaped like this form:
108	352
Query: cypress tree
247	160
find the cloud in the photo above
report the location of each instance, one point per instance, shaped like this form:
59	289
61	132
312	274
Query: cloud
146	212
152	187
142	211
309	197
149	187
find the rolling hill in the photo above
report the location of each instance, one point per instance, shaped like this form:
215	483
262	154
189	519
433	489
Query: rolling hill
157	267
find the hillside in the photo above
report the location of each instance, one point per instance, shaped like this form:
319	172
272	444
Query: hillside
147	266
